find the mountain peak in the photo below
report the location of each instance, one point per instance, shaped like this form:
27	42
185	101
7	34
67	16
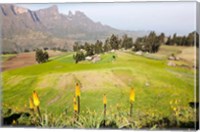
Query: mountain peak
11	9
53	10
79	13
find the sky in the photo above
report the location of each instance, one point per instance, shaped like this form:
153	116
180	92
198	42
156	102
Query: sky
167	17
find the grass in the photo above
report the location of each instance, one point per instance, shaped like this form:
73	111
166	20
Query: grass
5	57
155	84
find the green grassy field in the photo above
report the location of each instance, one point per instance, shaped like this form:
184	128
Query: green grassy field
7	56
155	84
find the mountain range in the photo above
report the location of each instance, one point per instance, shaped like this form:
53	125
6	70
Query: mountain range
23	28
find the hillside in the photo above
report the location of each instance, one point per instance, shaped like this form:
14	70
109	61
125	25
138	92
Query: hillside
154	82
26	29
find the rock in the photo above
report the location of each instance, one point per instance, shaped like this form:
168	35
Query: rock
96	58
138	53
171	58
89	58
112	51
171	63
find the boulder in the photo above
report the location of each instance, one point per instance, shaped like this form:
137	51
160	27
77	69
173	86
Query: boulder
138	53
171	63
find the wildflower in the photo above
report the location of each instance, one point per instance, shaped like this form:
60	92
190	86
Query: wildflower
104	100
174	109
36	100
77	93
132	99
31	105
132	95
74	99
77	90
176	101
14	122
171	102
75	107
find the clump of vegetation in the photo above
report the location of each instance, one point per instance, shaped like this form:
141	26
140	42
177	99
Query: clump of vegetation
79	56
41	56
188	40
150	43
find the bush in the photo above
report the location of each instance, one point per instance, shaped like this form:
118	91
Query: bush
79	56
41	56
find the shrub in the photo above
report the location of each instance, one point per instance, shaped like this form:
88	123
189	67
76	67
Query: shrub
41	56
79	56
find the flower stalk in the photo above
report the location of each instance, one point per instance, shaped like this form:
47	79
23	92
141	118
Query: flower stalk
36	103
78	92
132	99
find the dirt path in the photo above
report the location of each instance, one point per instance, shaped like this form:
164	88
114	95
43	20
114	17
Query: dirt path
24	59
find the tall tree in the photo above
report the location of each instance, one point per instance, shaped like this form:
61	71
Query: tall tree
107	47
114	42
127	42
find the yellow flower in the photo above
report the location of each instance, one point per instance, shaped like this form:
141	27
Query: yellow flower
77	90
176	101
74	99
174	109
31	105
132	95
75	107
36	100
14	122
171	102
104	100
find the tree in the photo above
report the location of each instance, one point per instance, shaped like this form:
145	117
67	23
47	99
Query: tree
150	43
191	39
79	56
98	47
161	38
197	40
169	40
89	49
41	56
107	47
114	42
76	46
174	39
127	42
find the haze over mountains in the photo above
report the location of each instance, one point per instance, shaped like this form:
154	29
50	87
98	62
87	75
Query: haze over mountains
25	29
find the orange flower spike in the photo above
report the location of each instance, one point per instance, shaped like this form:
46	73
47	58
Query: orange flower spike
132	95
74	99
104	100
78	92
75	107
31	105
36	100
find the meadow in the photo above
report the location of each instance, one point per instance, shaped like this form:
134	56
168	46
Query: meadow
162	93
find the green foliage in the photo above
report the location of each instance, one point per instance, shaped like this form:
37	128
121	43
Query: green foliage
188	40
79	56
89	49
107	47
55	85
98	47
127	42
41	56
114	42
150	43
